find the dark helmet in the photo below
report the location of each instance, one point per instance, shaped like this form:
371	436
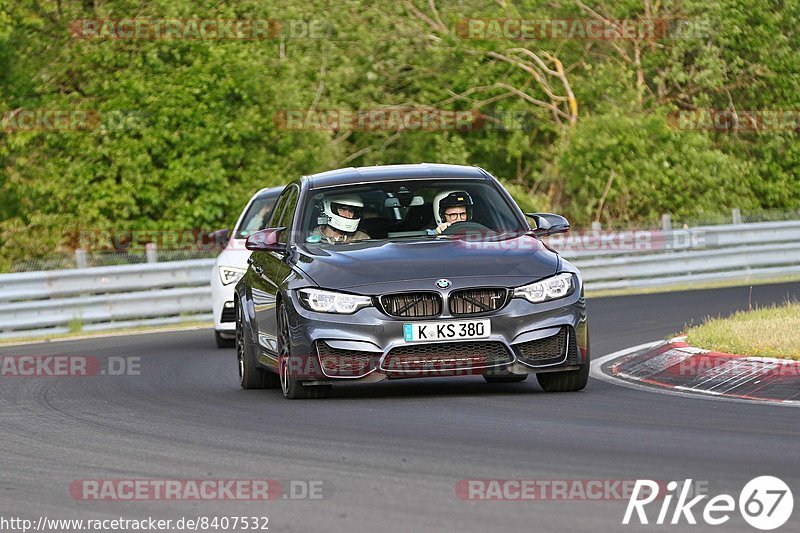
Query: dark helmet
446	200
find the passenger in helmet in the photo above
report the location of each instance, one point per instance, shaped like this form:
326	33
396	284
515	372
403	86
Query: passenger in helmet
450	207
342	215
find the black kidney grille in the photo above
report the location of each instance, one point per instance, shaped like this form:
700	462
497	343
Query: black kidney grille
547	351
474	301
412	304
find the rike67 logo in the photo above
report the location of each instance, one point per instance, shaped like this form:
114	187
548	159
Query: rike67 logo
765	503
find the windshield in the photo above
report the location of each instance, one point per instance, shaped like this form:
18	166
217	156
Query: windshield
257	216
426	209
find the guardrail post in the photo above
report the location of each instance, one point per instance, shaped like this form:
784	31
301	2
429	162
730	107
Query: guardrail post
666	222
80	258
736	214
151	252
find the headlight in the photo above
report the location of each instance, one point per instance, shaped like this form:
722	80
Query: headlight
332	302
553	288
230	275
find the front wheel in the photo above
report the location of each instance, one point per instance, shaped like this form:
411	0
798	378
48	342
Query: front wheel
251	376
292	387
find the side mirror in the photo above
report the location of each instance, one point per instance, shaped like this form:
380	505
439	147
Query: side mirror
548	224
266	240
220	237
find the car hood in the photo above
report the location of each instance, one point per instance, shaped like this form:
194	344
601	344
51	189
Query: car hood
380	266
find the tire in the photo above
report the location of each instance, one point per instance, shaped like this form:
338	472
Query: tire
222	342
251	376
293	389
505	379
569	381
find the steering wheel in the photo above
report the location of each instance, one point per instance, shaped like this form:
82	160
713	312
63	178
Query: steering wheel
459	228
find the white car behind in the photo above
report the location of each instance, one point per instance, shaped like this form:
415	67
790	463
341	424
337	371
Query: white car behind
231	264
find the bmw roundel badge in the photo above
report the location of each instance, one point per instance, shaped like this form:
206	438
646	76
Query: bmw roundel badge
443	283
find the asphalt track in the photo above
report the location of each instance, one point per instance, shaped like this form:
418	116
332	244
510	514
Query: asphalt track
390	454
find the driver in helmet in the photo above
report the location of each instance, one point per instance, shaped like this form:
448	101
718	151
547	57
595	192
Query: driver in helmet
343	214
451	207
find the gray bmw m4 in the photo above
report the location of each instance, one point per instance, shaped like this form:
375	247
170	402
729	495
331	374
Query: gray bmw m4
407	271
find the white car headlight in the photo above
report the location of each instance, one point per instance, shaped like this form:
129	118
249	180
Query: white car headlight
332	302
230	275
552	288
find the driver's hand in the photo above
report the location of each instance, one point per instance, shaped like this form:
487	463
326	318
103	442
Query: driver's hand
443	226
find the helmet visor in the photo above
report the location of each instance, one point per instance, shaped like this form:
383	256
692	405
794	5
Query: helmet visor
346	211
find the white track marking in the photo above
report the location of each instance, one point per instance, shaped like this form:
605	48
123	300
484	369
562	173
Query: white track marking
596	372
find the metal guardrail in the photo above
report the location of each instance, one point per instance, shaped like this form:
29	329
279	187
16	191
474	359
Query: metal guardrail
104	280
684	257
54	302
592	244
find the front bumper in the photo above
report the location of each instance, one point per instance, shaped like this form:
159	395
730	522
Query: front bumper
369	345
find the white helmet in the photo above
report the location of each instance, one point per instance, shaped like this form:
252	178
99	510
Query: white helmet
331	211
447	199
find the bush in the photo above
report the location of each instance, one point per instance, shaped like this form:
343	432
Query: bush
629	170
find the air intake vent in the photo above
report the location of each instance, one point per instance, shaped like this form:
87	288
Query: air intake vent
542	352
445	356
345	363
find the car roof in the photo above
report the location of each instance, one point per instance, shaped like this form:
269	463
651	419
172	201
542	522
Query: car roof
350	176
269	191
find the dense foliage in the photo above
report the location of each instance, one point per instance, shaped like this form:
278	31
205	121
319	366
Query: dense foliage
187	131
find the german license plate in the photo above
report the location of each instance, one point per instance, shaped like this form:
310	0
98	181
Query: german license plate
438	331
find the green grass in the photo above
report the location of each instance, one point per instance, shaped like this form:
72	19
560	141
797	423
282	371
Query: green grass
75	325
768	332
